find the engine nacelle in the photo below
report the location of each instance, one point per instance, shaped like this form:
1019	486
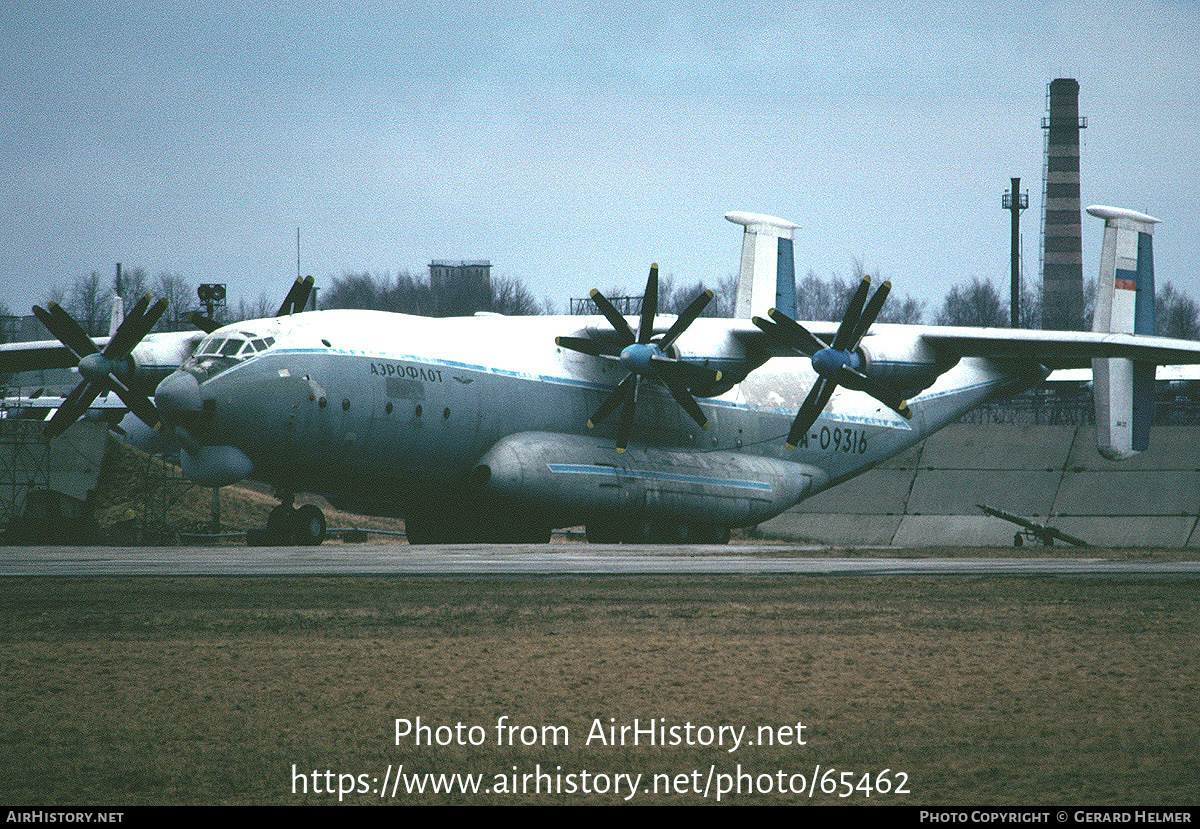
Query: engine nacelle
580	478
902	360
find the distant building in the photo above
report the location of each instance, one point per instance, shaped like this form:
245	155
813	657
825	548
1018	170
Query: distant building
460	287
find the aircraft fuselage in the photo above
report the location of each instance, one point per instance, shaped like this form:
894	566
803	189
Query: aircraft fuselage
399	414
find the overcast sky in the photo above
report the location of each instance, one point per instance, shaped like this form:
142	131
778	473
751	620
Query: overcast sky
574	143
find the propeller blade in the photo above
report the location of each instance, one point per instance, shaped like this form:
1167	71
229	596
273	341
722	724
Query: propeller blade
205	324
769	328
137	325
612	401
293	294
682	397
810	410
849	325
795	334
139	404
689	315
616	320
72	409
626	424
870	313
59	323
98	367
852	379
123	336
303	295
585	346
649	306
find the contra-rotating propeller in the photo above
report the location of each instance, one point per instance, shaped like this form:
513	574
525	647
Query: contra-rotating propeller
113	368
837	363
644	357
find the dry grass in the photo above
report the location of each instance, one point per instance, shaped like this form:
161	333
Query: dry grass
141	497
985	691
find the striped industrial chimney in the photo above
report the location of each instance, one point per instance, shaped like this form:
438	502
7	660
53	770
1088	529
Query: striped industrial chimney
1062	258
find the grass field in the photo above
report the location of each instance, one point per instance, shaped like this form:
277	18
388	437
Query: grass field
222	690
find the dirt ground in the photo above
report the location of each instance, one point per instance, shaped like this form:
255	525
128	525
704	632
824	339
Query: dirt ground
769	690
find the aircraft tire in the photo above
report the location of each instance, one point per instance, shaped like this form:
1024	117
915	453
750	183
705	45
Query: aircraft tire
308	525
280	527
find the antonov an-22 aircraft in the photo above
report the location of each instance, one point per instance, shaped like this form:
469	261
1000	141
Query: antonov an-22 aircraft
498	429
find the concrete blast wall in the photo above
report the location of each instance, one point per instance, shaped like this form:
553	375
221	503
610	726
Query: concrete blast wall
1050	474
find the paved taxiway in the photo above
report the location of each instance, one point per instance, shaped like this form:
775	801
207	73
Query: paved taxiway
542	559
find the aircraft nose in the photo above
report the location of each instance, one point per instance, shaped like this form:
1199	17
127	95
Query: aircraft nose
178	394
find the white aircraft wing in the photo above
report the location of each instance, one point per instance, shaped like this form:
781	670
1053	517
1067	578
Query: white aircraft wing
1053	349
1061	349
40	355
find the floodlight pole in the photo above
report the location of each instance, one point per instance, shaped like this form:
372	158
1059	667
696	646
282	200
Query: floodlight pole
1015	201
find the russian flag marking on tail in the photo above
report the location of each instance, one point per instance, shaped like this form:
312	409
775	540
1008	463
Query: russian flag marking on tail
1123	389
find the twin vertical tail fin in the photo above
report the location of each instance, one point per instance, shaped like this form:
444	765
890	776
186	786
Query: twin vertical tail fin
1124	389
767	276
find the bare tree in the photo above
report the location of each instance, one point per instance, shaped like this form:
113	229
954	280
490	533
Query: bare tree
510	296
1177	314
978	304
407	294
133	285
261	308
180	297
90	304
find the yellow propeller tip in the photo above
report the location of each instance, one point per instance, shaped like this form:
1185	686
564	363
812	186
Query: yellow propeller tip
719	375
620	450
789	446
591	425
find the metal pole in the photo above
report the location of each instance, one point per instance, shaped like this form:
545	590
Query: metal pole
1015	253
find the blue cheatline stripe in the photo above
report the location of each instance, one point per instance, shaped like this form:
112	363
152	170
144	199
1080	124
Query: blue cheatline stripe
841	417
785	278
649	475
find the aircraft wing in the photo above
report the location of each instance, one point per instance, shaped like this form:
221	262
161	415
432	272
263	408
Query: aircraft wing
40	355
1060	349
1053	349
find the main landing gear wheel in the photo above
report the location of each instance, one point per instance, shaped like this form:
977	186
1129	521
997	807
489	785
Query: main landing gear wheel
286	526
308	523
655	532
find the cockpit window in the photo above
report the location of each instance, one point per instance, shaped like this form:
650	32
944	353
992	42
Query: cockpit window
217	353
